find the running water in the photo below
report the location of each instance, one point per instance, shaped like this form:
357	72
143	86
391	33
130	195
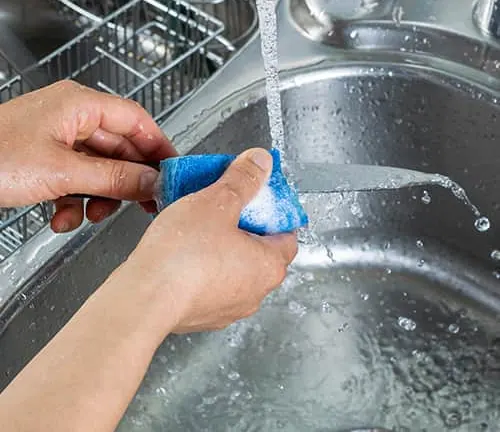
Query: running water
269	44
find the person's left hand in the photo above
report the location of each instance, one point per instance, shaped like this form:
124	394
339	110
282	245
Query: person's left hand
69	139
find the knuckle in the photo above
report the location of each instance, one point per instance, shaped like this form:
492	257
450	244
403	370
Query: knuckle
248	173
117	177
229	194
67	85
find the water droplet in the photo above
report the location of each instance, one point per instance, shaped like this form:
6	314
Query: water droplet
426	198
407	323
397	15
234	395
420	244
233	376
326	307
421	263
309	276
482	224
161	391
343	327
296	308
452	419
453	328
495	255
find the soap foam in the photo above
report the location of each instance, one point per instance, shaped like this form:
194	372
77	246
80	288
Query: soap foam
261	211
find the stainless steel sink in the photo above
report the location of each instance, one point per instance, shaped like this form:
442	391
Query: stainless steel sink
389	315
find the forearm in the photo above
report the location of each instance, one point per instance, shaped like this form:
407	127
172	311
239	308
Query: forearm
84	379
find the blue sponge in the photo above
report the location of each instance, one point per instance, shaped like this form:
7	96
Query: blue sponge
275	209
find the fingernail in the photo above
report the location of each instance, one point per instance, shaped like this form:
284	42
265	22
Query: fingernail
147	182
262	158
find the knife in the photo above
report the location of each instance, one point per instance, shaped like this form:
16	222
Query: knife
321	177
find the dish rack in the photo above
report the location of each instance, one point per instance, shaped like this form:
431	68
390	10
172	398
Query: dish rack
154	52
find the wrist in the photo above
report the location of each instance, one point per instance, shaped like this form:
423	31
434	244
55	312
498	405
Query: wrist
138	305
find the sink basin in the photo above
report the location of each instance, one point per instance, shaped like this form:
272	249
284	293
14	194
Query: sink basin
388	318
389	315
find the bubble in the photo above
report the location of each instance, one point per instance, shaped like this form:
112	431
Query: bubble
482	224
407	323
420	244
426	198
453	328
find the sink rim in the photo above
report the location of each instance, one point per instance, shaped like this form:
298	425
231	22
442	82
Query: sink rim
209	117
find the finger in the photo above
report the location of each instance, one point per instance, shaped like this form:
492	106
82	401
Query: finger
119	180
112	145
68	215
242	180
99	209
87	110
284	245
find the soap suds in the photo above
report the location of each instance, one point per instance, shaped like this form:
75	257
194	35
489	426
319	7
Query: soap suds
262	210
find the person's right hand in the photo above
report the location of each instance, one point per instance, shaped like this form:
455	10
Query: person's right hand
196	264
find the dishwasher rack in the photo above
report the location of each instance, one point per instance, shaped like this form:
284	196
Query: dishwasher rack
154	52
238	16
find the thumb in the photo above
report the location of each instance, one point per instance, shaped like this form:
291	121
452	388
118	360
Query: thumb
244	178
110	178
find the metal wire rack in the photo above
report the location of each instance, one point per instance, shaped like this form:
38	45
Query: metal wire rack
238	16
156	53
18	225
153	52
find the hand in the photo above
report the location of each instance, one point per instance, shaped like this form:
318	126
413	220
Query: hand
66	139
198	265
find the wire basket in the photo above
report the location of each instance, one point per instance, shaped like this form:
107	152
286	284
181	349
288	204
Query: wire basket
18	225
239	17
156	53
153	52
